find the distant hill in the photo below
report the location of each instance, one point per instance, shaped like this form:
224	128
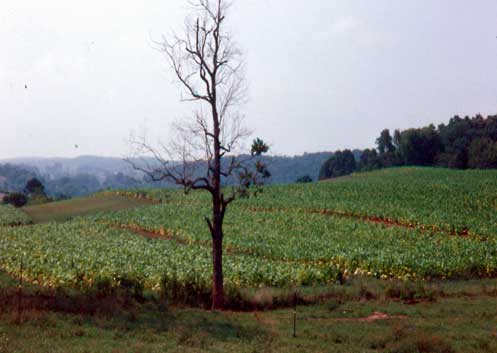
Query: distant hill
14	177
59	167
87	174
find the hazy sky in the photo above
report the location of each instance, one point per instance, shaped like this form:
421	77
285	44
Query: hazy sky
323	74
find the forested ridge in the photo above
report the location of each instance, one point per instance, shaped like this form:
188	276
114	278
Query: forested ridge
462	143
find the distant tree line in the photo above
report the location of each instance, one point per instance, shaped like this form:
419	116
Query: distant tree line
14	178
463	143
60	185
28	181
33	192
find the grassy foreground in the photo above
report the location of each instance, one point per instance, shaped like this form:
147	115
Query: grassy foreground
461	317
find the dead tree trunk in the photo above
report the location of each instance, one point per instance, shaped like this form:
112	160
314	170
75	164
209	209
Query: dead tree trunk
217	265
209	67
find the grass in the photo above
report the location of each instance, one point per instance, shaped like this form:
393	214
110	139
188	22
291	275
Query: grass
65	210
463	321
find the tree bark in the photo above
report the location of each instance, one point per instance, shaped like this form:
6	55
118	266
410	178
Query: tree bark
217	268
218	207
216	228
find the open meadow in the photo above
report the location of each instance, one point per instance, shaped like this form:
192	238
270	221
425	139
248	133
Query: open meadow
416	245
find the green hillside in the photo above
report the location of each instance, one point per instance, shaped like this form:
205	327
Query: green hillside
62	211
361	249
400	223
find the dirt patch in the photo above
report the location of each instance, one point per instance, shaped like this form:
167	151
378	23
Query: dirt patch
375	316
164	234
160	234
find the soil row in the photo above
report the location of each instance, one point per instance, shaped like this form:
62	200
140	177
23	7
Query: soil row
464	233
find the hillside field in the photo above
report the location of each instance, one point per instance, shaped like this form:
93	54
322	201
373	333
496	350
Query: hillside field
65	210
406	223
419	227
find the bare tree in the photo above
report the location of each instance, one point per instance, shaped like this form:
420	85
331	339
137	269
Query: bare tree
209	67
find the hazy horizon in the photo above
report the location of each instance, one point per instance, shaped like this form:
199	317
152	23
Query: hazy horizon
77	78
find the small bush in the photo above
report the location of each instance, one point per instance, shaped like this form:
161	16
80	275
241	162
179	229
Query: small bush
365	293
15	199
392	292
304	179
102	287
188	291
409	292
132	286
39	199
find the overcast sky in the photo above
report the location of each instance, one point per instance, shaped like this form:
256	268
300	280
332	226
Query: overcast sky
323	74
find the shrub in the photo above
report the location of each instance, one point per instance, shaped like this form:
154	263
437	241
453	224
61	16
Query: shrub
34	186
132	286
340	164
189	291
15	199
304	179
39	199
102	287
409	292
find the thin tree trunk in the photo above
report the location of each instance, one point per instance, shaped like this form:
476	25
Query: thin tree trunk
217	254
217	270
217	209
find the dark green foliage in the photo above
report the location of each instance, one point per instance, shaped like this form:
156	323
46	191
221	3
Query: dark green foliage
462	143
15	199
126	286
132	286
341	163
458	135
304	179
191	291
384	142
369	160
420	146
396	139
482	153
254	176
259	147
34	186
102	287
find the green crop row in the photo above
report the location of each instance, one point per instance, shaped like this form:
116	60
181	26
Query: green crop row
280	238
10	215
321	240
453	201
80	252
